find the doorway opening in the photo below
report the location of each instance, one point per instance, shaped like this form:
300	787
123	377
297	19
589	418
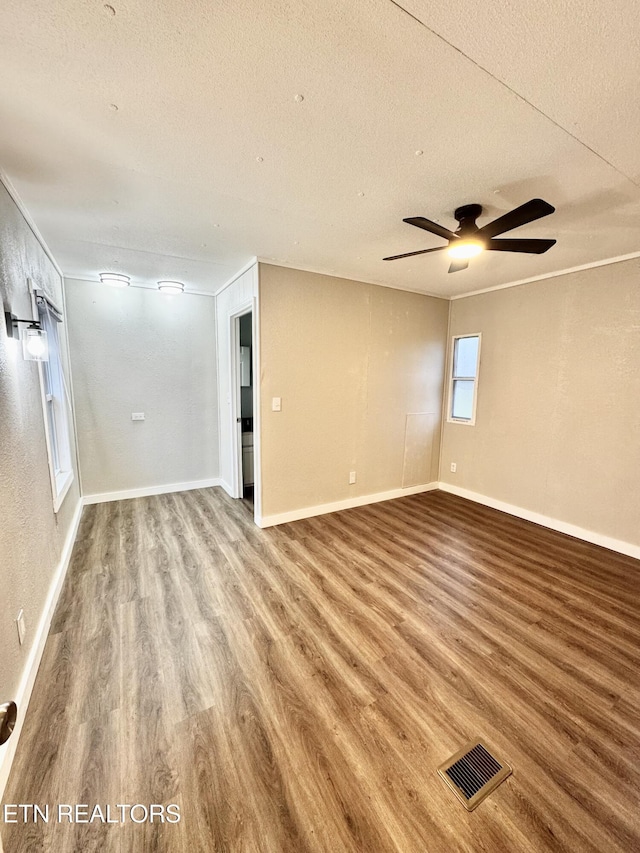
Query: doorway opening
244	337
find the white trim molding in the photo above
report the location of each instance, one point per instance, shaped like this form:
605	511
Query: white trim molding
237	275
25	688
619	545
188	291
336	506
452	378
318	271
224	485
148	491
8	185
591	265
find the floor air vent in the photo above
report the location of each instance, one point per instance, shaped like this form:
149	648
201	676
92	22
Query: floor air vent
473	772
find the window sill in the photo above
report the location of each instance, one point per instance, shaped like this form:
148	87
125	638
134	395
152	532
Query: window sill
461	421
63	484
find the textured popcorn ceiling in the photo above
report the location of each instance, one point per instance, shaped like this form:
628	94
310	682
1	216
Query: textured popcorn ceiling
209	158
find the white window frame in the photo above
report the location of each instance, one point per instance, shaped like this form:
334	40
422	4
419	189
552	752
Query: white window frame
54	396
474	379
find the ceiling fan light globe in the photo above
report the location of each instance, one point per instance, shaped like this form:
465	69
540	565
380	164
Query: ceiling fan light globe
462	250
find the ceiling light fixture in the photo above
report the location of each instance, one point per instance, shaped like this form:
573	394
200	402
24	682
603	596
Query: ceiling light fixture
461	250
171	287
115	279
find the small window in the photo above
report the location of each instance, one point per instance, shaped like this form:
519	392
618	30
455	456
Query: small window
55	405
464	379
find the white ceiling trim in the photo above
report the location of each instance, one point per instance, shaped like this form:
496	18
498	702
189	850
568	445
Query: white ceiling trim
236	275
324	272
6	181
617	260
188	292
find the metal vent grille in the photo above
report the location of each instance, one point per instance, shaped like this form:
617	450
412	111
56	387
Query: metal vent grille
473	772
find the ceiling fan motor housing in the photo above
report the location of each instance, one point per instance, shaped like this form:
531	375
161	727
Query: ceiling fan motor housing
466	216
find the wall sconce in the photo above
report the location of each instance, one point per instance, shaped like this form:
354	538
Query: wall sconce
171	287
34	338
115	279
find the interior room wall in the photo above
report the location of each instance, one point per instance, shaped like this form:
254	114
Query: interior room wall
137	350
32	537
359	370
558	422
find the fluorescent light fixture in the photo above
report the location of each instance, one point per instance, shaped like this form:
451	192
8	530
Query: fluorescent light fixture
115	279
171	287
34	344
461	250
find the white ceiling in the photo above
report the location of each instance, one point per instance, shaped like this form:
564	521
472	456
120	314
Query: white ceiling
507	101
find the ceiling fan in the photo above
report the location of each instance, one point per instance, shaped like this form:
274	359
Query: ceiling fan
469	240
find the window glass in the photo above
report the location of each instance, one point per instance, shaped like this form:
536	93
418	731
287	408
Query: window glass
55	407
463	378
462	399
465	359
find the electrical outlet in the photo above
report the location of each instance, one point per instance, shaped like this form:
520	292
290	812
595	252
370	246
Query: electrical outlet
137	416
22	626
352	477
276	404
454	467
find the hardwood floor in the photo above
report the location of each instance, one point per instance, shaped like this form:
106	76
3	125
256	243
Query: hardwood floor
295	689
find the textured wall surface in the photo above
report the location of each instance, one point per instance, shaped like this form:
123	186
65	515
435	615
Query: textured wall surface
31	535
350	361
558	422
138	350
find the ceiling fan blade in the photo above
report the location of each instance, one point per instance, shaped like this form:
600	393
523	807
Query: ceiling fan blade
527	212
532	247
411	254
458	265
432	227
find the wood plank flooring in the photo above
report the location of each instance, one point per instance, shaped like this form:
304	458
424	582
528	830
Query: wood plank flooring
294	689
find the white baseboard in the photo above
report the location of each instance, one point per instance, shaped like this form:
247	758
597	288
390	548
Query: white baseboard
148	491
8	750
226	487
546	521
336	506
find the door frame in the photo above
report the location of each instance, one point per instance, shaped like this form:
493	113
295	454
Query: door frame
249	306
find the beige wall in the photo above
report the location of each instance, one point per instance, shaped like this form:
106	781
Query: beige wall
351	362
31	535
137	350
558	417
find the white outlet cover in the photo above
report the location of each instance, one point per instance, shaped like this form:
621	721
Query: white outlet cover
352	477
454	467
276	404
137	416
